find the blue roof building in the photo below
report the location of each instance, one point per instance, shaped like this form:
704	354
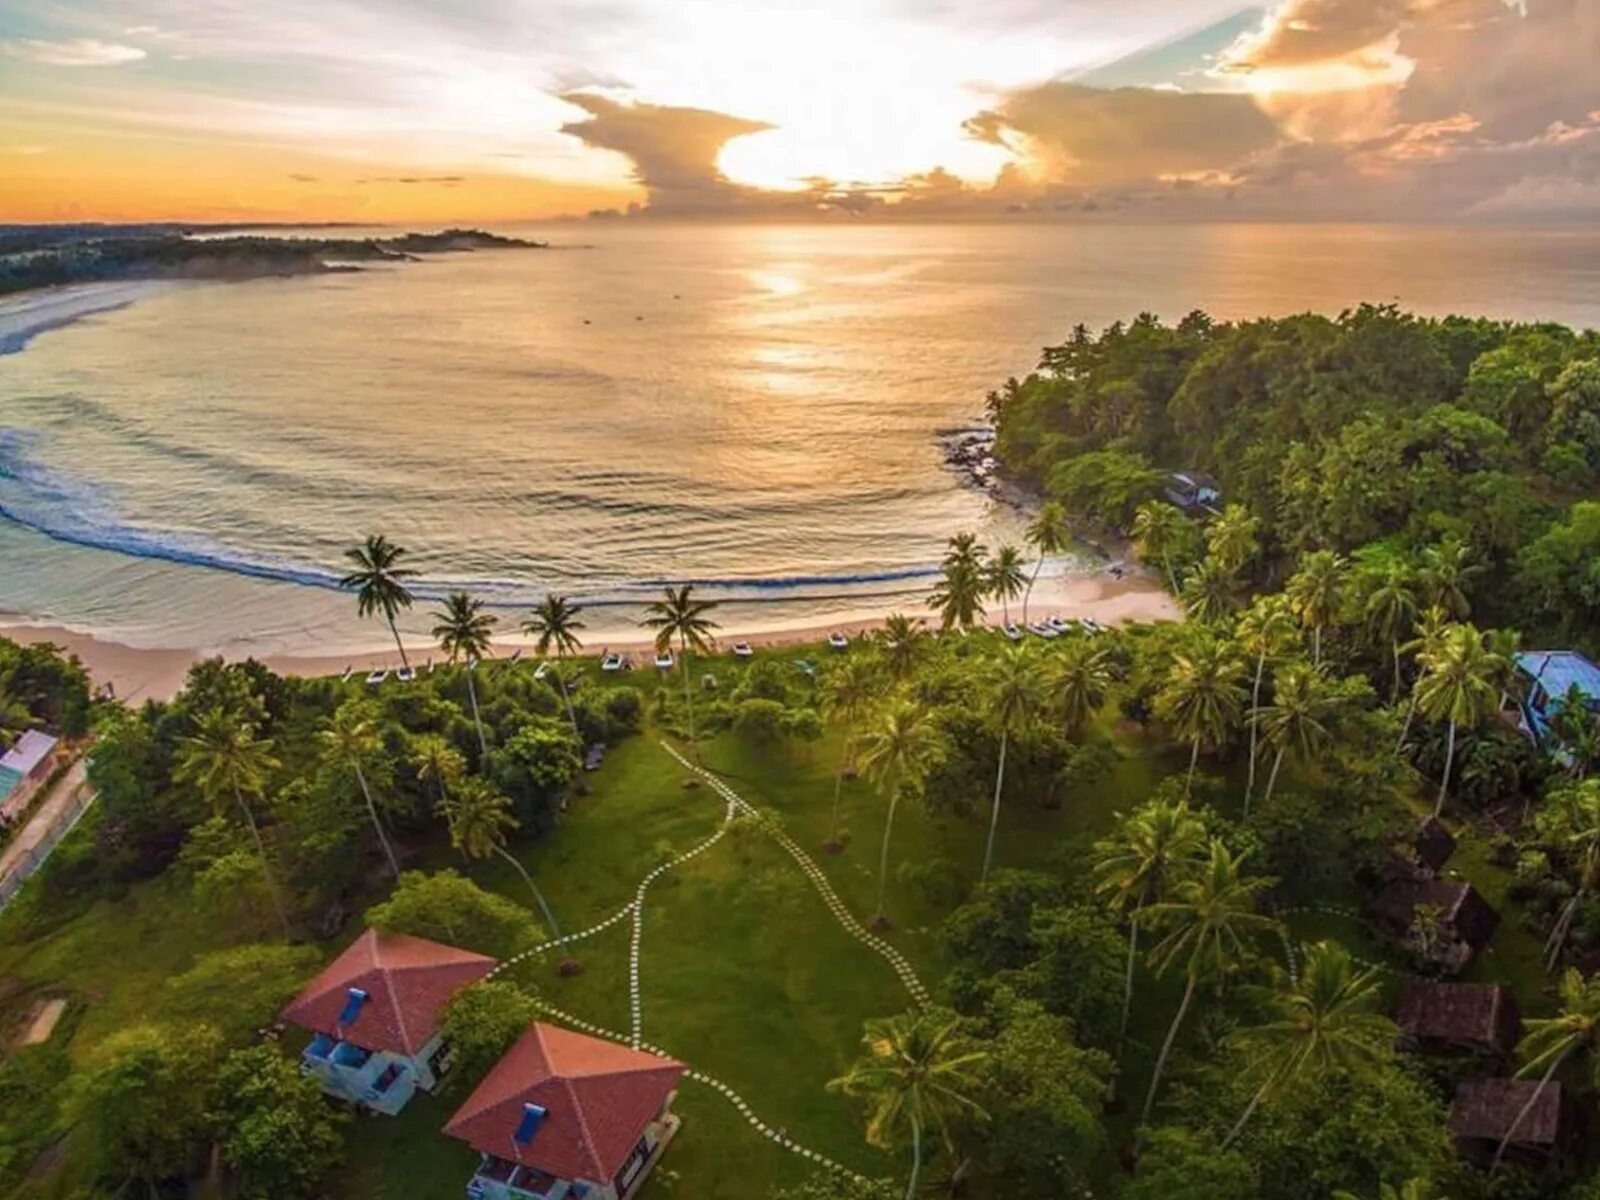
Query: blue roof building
1549	676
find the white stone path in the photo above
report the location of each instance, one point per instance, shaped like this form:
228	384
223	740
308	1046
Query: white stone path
634	909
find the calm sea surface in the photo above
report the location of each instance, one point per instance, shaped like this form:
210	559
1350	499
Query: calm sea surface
756	408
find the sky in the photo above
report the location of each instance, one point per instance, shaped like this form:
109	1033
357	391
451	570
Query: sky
499	110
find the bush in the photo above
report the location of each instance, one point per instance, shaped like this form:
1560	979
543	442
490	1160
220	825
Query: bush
483	1020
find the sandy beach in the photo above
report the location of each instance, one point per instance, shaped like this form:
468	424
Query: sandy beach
136	674
28	314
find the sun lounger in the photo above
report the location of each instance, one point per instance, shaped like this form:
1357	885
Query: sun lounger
1042	629
611	662
348	671
405	674
1011	630
742	650
378	675
838	640
664	661
517	655
541	670
1061	624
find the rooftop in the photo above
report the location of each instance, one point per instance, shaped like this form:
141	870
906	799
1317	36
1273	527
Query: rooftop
1485	1109
1481	1013
403	983
594	1099
1557	670
28	751
1462	910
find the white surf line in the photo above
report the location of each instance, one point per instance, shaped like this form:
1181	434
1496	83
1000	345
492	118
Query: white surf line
902	966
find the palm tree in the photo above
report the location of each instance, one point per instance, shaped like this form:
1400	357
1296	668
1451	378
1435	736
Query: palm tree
1155	846
1203	696
1158	528
848	686
1231	538
464	632
1551	1041
1571	817
1005	578
1576	730
438	762
958	596
902	638
965	550
223	759
1013	702
379	584
1390	609
1328	1020
679	617
1456	687
898	749
1266	629
918	1073
1207	917
1211	593
1430	633
1316	595
1048	534
479	818
1444	574
1082	677
351	736
554	625
1302	701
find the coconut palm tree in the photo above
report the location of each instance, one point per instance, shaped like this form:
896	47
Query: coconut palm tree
895	751
1211	593
1549	1042
1316	595
958	596
1080	678
379	583
465	632
1430	633
1302	702
1158	529
902	639
480	818
1390	609
848	688
965	550
554	626
1576	730
437	762
1445	572
1005	578
1456	686
1203	696
1231	538
352	736
1570	817
918	1074
679	617
1327	1020
1048	534
1266	629
224	760
1156	845
1013	702
1207	918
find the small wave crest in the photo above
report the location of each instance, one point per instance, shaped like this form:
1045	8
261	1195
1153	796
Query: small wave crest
80	512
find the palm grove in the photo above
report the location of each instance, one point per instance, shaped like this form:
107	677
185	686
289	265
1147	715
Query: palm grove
1104	844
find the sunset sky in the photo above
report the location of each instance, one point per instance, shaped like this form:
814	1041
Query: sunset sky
1074	109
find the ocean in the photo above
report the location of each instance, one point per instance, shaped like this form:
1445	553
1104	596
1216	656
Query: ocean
757	409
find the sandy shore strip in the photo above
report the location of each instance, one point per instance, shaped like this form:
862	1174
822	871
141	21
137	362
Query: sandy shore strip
26	315
137	674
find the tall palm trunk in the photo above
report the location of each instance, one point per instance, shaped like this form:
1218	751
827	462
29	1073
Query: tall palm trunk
883	854
544	906
372	811
1166	1049
916	1156
1027	593
1316	645
1244	1118
1449	761
566	696
1522	1113
398	644
1172	579
838	785
1394	688
1194	757
1272	778
1563	926
1405	727
1127	977
266	863
1255	723
477	721
994	811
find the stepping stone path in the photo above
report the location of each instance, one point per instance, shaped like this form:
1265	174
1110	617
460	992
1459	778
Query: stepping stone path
1328	910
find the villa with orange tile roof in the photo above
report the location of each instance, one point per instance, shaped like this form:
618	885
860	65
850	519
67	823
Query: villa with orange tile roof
374	1016
564	1116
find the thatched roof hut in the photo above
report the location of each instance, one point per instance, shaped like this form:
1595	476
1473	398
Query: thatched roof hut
1446	922
1484	1110
1474	1017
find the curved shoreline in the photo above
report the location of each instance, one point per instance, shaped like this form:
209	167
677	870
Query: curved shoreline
29	314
